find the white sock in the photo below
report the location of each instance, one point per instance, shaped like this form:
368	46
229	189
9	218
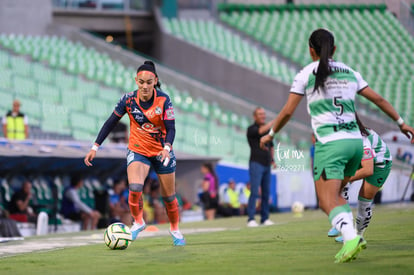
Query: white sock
364	215
343	222
345	192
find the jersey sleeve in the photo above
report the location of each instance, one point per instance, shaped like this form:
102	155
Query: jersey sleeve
168	110
368	152
361	83
299	84
120	107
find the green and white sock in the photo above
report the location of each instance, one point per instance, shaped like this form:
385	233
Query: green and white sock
341	218
364	215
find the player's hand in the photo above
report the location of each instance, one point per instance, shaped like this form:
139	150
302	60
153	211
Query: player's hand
89	157
408	131
264	140
164	157
274	165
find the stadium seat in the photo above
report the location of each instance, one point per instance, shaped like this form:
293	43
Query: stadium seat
367	33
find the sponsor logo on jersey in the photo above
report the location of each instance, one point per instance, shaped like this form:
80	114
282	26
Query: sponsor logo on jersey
136	111
158	110
169	114
139	118
150	128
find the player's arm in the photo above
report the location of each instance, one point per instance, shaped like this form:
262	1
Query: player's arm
108	126
265	128
283	117
169	123
387	108
366	170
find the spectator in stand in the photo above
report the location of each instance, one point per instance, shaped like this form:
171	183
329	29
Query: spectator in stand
20	208
244	198
74	209
231	199
209	195
15	123
118	203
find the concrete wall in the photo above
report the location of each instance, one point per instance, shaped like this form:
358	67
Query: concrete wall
26	17
93	20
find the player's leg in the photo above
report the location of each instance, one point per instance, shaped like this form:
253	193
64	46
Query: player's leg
167	182
333	232
334	163
369	188
137	170
166	176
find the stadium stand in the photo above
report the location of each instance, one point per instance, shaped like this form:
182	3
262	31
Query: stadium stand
216	38
69	93
367	33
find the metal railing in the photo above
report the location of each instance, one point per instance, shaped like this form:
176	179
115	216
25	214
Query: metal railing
99	5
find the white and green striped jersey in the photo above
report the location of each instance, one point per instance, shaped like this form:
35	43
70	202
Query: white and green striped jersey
381	150
332	109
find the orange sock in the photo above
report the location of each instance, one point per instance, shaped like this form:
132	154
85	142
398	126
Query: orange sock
172	213
136	206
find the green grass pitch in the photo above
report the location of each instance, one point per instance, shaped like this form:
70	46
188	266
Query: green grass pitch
292	246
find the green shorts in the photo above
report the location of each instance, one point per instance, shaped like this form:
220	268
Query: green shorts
380	175
337	159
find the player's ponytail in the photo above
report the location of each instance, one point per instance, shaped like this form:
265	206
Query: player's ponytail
150	66
362	127
323	42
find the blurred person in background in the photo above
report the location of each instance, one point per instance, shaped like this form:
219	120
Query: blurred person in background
244	198
20	205
118	203
15	123
260	163
231	199
75	209
209	195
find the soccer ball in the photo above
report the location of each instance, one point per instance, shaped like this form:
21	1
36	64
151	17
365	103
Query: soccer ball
298	208
117	236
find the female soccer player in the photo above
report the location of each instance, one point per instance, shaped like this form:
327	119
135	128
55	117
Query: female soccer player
375	168
152	132
330	88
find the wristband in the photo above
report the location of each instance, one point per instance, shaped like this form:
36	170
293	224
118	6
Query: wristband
271	133
400	121
95	147
167	147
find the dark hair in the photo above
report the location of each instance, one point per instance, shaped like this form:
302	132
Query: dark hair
362	127
150	67
323	42
75	179
210	169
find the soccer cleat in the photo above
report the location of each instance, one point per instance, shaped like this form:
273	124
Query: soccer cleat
268	222
339	239
178	238
252	223
136	229
349	250
363	243
333	232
